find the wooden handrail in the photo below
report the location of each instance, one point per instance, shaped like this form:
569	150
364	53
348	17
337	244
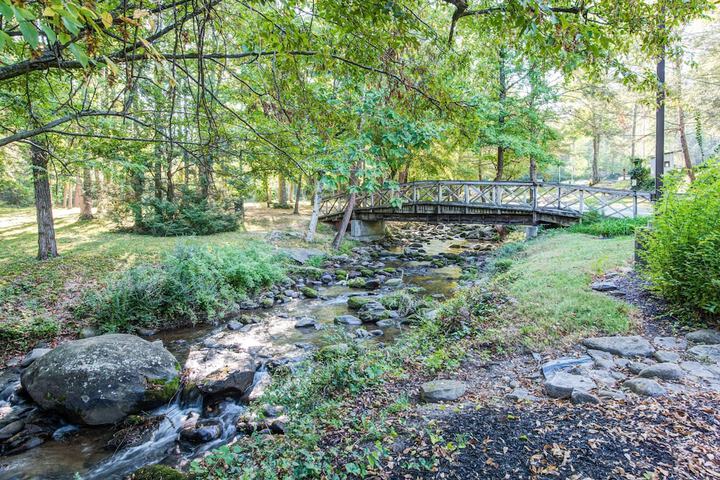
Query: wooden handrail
537	197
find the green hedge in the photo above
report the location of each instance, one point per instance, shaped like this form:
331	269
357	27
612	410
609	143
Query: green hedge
682	250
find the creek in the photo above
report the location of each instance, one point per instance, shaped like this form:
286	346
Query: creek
433	259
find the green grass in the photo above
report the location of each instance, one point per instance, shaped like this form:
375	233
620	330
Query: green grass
549	284
35	295
609	227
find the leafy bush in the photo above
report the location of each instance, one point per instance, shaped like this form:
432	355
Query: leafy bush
682	250
192	284
190	215
640	175
596	224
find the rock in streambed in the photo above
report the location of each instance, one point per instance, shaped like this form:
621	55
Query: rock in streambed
100	380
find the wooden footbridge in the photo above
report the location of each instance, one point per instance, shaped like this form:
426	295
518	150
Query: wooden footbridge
521	203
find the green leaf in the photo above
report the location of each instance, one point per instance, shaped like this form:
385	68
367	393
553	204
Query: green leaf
5	10
29	33
72	26
79	54
49	33
5	40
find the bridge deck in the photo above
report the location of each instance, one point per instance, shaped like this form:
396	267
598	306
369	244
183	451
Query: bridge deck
488	202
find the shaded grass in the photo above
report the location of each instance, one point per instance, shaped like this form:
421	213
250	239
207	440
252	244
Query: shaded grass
548	288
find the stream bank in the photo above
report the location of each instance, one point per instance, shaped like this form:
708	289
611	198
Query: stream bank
421	261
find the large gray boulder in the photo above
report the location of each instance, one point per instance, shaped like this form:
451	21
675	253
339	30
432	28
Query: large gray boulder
100	380
633	346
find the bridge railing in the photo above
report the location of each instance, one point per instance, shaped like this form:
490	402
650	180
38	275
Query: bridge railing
568	199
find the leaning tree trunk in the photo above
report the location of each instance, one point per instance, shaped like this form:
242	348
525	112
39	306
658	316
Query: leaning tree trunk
681	125
317	196
298	187
87	194
47	247
337	241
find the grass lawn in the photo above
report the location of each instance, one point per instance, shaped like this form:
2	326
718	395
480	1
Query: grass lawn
548	284
35	297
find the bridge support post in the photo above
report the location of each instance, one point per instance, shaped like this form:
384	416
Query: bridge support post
365	231
531	232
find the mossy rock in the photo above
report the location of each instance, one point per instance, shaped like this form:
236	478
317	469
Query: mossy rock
366	272
307	271
158	472
309	292
355	303
389	270
161	390
341	274
356	283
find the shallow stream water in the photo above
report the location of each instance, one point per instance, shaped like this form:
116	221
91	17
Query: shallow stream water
82	452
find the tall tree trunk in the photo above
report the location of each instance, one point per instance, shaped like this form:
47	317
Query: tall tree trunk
87	194
99	192
317	197
268	193
501	118
500	167
533	170
77	194
186	168
169	182
681	125
595	178
67	195
282	191
298	190
137	181
239	205
403	176
205	176
633	141
47	246
157	179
